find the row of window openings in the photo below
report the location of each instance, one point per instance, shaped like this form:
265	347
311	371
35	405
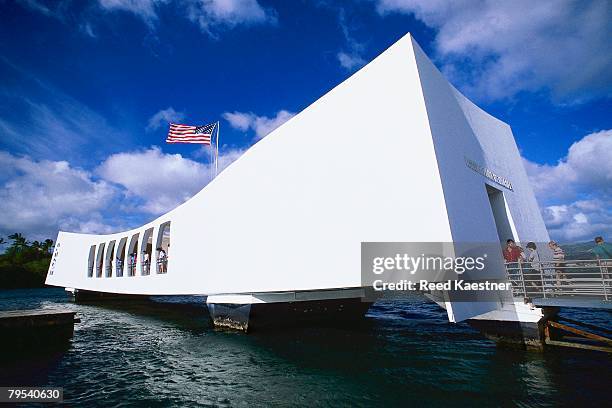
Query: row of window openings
117	256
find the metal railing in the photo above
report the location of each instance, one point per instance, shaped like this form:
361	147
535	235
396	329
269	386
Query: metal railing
590	278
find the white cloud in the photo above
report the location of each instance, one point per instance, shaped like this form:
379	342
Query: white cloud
38	197
87	28
55	9
163	117
261	125
54	125
513	46
209	15
228	156
586	168
578	221
351	61
94	225
240	120
158	181
145	9
212	14
162	181
37	6
55	129
576	194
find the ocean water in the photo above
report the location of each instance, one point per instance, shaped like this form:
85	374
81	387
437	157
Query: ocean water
405	353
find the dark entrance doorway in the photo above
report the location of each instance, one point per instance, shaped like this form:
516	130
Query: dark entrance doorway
498	207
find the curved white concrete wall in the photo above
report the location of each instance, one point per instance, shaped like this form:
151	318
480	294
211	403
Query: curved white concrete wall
378	158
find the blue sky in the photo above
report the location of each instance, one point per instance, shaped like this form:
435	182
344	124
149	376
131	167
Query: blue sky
88	87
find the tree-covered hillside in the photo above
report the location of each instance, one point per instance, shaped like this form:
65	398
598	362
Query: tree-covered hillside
24	264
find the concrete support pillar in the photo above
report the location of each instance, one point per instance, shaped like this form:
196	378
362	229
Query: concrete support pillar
248	311
518	324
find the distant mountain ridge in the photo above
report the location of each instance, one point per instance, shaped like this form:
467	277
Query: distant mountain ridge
579	250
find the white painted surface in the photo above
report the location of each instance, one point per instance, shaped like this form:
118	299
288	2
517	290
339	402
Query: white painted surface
283	297
515	312
378	158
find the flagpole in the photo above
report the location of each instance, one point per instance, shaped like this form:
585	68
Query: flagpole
217	150
212	175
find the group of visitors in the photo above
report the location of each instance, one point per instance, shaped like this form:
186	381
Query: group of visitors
162	260
536	275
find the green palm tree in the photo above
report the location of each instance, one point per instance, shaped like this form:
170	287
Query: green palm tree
19	241
47	245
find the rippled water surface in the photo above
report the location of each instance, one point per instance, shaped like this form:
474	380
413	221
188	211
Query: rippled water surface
166	353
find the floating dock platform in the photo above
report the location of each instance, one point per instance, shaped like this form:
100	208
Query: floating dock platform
41	328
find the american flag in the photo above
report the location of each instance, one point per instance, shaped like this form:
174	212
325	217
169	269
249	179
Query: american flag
190	134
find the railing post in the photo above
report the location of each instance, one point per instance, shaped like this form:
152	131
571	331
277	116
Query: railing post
603	278
511	277
542	279
520	267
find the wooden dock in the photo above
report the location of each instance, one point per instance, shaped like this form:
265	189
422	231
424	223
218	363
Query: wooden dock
23	330
556	334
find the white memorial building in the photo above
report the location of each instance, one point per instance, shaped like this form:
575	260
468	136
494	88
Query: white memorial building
392	154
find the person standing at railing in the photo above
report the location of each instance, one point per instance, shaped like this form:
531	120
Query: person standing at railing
119	267
559	258
512	252
146	262
162	259
603	252
534	275
132	265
